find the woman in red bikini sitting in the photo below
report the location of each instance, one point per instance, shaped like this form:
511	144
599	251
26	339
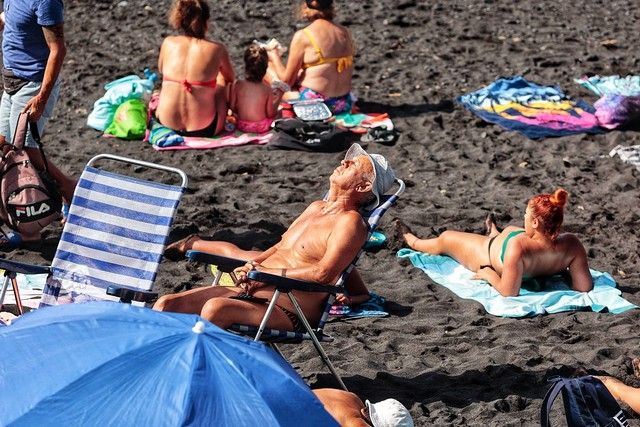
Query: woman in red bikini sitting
508	258
320	62
195	72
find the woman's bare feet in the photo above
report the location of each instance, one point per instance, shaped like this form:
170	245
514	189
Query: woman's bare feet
176	250
635	363
490	225
402	233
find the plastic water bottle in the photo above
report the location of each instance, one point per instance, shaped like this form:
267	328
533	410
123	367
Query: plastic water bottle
230	123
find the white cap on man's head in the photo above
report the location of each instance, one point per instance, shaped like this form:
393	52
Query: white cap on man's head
383	175
389	413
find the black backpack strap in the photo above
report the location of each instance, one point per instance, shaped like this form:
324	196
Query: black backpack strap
35	133
547	403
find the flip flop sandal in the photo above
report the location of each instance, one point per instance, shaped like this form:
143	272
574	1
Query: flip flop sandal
381	135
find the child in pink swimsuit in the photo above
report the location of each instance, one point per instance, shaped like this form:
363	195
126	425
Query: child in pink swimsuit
254	103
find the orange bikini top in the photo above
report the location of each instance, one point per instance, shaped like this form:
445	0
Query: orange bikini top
342	62
188	86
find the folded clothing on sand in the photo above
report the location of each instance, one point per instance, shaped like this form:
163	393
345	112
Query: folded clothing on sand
533	110
162	136
556	296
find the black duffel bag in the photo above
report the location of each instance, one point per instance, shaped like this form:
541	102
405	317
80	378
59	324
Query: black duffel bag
296	134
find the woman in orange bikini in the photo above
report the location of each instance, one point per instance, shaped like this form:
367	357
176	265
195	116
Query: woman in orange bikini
195	73
513	256
320	62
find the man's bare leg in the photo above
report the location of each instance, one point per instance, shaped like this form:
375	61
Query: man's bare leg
177	249
225	311
468	249
192	301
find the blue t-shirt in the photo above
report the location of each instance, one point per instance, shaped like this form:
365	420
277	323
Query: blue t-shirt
24	49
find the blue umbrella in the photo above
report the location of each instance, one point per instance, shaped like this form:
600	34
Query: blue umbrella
100	364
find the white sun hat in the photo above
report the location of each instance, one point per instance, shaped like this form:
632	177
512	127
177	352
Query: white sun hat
389	413
383	175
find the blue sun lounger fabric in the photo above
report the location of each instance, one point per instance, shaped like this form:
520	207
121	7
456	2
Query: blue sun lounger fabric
556	297
533	110
114	235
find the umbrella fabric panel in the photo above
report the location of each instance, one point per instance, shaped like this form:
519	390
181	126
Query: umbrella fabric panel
115	364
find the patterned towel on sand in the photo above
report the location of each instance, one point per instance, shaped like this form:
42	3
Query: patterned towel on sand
533	110
232	139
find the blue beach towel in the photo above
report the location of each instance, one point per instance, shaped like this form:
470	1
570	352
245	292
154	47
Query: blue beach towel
556	297
373	307
533	110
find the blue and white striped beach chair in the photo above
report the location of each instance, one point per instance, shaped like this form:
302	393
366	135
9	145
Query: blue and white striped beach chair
113	238
286	285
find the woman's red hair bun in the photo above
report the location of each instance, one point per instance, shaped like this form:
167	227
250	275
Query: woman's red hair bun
559	197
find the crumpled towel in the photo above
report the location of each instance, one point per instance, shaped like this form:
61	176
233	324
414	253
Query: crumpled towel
611	85
630	154
614	111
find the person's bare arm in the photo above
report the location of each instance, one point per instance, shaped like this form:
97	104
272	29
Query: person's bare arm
226	69
54	37
161	57
508	285
579	268
622	392
1	21
289	74
272	102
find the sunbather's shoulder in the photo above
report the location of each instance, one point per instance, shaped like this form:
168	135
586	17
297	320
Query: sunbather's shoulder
570	242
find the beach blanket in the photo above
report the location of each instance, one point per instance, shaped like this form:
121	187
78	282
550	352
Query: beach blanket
611	85
232	139
556	297
373	307
630	154
533	110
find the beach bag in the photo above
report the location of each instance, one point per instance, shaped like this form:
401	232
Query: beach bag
29	198
129	121
587	403
296	134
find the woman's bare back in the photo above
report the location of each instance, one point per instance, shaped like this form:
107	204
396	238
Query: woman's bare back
184	61
334	41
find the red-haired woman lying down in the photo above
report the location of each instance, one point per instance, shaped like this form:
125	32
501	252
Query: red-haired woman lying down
515	255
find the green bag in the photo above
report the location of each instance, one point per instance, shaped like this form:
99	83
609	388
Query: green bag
129	121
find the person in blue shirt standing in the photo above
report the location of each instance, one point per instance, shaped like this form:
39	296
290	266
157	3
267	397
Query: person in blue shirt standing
33	50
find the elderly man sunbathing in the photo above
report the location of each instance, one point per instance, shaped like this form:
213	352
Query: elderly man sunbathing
317	247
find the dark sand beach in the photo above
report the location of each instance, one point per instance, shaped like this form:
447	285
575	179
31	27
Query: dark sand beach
445	358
